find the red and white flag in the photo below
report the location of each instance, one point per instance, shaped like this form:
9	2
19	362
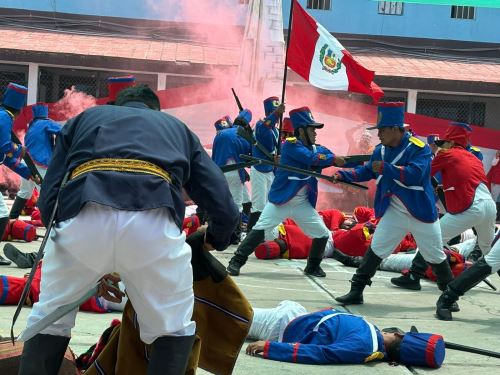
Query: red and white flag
317	56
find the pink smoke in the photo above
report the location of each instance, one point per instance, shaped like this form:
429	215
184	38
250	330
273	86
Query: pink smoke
72	104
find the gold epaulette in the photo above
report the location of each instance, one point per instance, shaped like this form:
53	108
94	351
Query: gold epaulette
292	139
416	141
474	148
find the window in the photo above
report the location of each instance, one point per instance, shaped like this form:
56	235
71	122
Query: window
319	4
53	81
462	12
393	8
452	107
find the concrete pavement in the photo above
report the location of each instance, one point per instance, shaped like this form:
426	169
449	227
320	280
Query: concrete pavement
266	283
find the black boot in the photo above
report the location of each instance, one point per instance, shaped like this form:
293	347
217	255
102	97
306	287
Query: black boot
236	236
22	260
247	247
361	279
252	220
457	288
17	207
43	355
315	257
3	224
443	273
411	280
476	253
170	355
345	259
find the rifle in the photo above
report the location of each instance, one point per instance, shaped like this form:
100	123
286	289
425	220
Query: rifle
236	166
301	171
464	348
240	107
356	158
27	159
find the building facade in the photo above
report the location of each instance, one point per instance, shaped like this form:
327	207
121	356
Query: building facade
444	61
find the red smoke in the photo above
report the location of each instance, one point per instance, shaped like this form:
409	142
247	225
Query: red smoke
72	104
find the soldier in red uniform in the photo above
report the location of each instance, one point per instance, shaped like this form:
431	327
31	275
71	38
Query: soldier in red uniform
468	200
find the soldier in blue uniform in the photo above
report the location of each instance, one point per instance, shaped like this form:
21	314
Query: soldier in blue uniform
294	195
475	151
39	142
336	337
14	99
122	211
261	176
404	200
226	149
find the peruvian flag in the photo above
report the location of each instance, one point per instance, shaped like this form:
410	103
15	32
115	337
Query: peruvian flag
315	55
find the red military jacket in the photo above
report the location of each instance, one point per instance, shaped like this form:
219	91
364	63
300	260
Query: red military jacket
353	242
462	173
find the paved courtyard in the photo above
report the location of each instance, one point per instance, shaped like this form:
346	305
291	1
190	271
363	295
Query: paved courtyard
266	283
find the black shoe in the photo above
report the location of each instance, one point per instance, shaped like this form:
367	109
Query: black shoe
316	271
233	269
22	260
407	281
443	307
43	355
475	255
4	262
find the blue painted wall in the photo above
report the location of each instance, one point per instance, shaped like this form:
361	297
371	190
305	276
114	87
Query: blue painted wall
420	21
346	16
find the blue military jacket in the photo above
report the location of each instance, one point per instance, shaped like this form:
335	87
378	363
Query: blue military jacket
287	184
327	337
134	131
267	134
405	174
39	140
228	146
11	152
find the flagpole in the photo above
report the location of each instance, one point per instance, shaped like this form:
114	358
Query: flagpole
292	2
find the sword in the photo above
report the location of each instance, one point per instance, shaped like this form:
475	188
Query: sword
39	256
54	316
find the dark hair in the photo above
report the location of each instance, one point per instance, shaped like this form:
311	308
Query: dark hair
393	349
140	93
10	109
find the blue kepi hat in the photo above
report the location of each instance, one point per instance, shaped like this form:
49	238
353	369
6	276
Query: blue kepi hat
390	114
40	110
15	96
302	118
270	104
422	349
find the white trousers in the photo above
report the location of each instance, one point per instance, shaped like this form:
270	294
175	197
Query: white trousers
261	184
27	186
299	209
145	247
480	215
270	324
236	188
493	257
4	210
396	223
